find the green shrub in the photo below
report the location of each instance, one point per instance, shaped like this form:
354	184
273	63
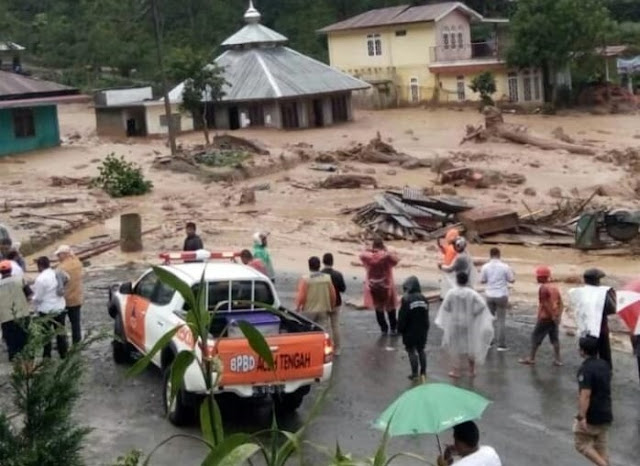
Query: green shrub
485	85
120	178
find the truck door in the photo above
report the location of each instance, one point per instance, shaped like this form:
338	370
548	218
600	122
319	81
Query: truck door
136	310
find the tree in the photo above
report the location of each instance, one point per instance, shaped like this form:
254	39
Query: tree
203	83
485	85
547	34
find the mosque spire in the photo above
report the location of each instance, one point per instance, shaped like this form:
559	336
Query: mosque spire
252	16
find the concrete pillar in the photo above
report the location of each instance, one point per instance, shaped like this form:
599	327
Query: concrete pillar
221	117
327	111
303	113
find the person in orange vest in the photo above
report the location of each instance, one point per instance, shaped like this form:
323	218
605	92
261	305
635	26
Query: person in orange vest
448	249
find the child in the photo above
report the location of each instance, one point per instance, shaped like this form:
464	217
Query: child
413	324
549	313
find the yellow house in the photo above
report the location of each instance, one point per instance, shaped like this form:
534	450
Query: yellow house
412	54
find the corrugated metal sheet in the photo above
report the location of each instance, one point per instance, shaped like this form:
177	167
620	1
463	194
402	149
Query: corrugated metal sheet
254	34
403	14
13	84
276	72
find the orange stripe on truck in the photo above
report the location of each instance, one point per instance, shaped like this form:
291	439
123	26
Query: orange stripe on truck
296	357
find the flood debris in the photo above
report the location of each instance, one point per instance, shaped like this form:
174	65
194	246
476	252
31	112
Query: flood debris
495	127
63	181
478	178
380	152
348	182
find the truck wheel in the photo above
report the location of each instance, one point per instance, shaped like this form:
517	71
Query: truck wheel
287	403
179	412
121	349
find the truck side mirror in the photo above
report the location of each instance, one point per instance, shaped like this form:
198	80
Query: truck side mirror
126	288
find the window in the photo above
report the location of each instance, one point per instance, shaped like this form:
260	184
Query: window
374	45
513	87
247	291
445	41
401	33
163	294
460	40
415	90
453	40
460	88
175	119
526	83
146	286
23	123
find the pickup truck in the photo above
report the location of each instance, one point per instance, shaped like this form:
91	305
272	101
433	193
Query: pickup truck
144	310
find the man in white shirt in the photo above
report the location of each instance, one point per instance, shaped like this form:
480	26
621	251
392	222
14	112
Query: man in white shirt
50	304
496	276
466	438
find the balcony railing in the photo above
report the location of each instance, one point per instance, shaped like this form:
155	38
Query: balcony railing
466	51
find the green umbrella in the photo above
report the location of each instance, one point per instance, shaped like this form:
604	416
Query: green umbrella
431	409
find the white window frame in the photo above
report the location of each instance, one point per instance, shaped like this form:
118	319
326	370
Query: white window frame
445	38
414	84
511	78
453	41
527	82
374	45
537	82
460	89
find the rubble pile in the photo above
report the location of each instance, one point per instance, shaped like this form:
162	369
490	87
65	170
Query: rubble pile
380	152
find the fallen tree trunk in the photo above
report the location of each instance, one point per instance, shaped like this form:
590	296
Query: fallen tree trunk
495	126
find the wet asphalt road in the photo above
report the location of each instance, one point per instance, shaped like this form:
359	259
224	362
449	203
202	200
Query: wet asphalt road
528	422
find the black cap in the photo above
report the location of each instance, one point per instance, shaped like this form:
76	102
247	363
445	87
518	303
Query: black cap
594	274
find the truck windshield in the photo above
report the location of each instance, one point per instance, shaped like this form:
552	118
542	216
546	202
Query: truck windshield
237	291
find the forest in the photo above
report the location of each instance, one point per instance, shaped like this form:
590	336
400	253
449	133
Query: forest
79	39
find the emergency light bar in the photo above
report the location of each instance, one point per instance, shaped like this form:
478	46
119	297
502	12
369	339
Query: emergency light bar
201	255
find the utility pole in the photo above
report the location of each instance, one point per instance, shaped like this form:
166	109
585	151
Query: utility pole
163	77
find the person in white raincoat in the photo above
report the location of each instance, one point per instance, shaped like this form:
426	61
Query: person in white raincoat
463	262
467	324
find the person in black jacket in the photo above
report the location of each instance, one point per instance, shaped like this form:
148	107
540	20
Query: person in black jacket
338	284
192	242
413	324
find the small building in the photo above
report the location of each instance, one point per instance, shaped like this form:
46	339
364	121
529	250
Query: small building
427	53
29	113
272	85
131	112
11	56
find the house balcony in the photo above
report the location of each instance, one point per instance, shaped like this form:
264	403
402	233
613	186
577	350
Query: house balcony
475	56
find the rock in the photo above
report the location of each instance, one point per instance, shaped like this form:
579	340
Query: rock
449	191
534	164
530	192
325	158
370	171
502	196
440	165
168	207
392	172
556	193
411	164
247	196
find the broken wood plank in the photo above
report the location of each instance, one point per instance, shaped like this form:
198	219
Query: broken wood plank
295	184
15	204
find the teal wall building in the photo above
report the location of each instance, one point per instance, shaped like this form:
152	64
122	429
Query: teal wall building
29	113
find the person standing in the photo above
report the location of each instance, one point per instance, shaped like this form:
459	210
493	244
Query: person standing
48	299
316	297
467	324
192	242
413	325
595	415
14	309
339	286
550	309
463	262
261	252
72	266
448	249
635	343
379	287
496	276
593	304
247	259
466	445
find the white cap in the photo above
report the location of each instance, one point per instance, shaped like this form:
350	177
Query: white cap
63	249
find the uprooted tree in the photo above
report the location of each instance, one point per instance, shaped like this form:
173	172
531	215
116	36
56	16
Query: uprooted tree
495	127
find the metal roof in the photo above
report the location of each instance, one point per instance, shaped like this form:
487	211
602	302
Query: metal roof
274	73
6	46
18	86
403	14
254	33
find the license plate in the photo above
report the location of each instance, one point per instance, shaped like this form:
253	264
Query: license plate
261	390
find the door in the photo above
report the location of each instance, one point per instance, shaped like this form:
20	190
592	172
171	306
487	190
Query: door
415	90
318	116
234	118
136	310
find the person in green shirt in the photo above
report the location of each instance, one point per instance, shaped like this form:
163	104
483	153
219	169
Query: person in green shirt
261	252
